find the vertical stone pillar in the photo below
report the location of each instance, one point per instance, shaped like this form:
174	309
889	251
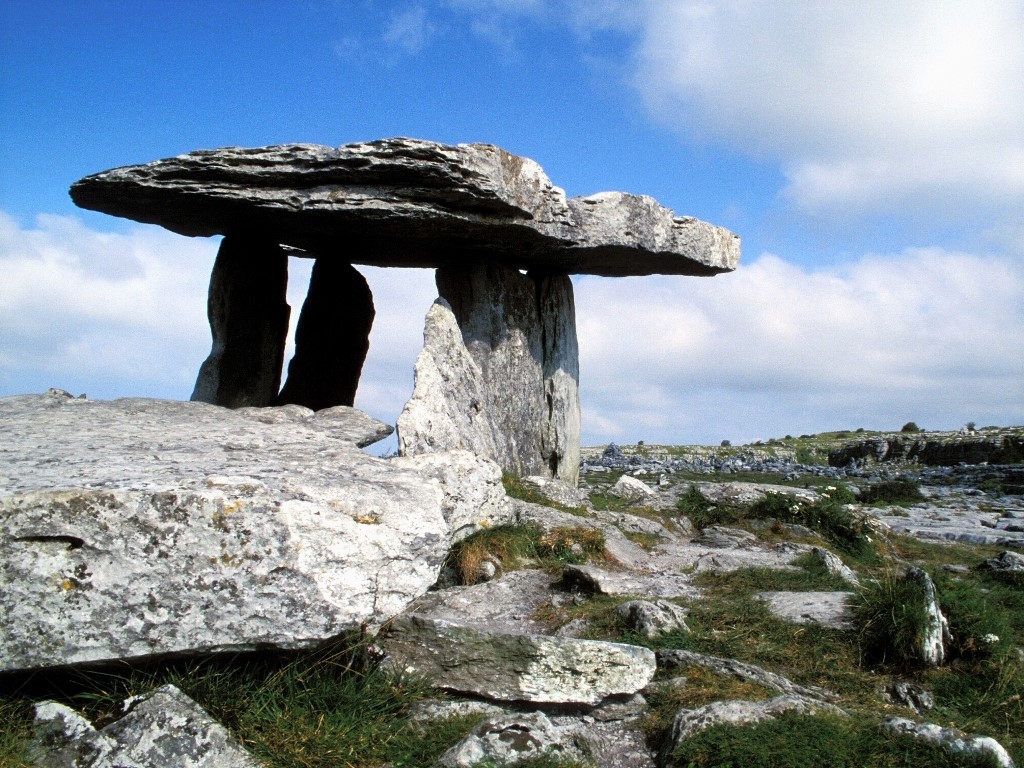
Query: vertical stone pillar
331	339
249	320
560	436
513	393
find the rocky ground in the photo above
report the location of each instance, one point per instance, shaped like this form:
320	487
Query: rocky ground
616	624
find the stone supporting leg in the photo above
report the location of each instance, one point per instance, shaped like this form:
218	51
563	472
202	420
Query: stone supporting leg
332	338
249	320
509	391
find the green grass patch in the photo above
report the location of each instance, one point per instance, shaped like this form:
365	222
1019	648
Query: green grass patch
815	741
16	716
517	489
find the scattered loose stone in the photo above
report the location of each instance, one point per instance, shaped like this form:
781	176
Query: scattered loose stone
653	618
950	739
631	489
511	738
908	695
834	565
516	667
594	580
161	729
1005	561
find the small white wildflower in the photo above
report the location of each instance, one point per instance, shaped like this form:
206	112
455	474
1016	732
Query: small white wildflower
990	639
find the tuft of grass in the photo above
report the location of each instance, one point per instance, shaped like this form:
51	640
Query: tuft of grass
16	717
513	545
892	620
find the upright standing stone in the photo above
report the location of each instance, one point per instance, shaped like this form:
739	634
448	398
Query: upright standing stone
513	392
332	338
249	320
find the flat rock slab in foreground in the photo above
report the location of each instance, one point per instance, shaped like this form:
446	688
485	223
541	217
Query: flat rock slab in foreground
410	203
514	667
161	729
130	528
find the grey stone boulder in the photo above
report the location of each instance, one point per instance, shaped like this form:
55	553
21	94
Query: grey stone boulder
161	729
629	488
689	722
651	618
834	565
907	694
951	739
134	528
511	738
412	203
516	667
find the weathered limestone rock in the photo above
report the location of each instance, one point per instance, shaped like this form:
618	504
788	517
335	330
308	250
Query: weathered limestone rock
133	528
651	618
1005	562
933	649
407	202
630	488
829	609
951	739
499	373
836	566
557	491
331	339
750	673
514	667
162	729
249	320
594	580
474	497
511	738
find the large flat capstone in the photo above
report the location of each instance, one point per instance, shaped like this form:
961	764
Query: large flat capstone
131	528
411	203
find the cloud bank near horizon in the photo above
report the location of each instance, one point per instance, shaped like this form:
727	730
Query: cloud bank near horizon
924	335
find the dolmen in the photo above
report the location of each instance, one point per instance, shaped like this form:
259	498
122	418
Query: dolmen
499	372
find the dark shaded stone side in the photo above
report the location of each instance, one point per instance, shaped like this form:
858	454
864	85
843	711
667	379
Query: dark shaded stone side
248	316
332	338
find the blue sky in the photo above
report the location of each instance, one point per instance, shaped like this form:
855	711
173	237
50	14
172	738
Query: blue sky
870	155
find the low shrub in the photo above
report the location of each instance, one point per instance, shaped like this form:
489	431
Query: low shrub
899	491
828	516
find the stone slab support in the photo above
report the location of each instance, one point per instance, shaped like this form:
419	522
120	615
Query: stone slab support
249	320
332	338
508	388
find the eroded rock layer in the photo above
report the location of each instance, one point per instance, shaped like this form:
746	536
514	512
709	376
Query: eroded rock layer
413	203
